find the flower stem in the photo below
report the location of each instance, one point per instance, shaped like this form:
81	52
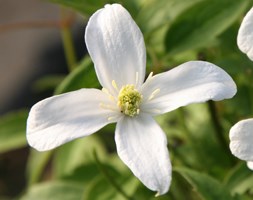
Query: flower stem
109	178
68	41
217	126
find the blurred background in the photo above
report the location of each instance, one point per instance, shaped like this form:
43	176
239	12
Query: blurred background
30	48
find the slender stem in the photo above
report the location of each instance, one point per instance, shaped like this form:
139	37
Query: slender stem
109	178
68	41
217	125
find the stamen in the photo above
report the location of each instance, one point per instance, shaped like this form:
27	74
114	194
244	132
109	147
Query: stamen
105	91
129	100
107	107
153	94
114	84
138	111
149	77
111	97
112	118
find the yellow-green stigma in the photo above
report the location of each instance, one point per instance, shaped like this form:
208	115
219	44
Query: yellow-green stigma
129	100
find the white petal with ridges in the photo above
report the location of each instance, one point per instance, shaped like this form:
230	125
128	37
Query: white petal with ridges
142	146
241	139
191	82
245	35
116	46
59	119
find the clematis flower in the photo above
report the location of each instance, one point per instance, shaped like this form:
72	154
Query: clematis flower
245	35
241	134
116	46
241	140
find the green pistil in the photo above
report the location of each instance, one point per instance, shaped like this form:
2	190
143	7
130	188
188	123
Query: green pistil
129	100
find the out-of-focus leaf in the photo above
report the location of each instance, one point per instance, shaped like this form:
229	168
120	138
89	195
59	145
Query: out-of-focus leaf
55	191
13	130
37	162
198	26
239	179
85	7
47	83
155	14
192	139
83	76
101	188
75	154
88	7
205	186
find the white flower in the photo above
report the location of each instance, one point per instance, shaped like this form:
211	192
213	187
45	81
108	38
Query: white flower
245	35
241	134
116	46
241	141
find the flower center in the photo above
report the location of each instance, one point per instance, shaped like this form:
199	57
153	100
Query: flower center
129	100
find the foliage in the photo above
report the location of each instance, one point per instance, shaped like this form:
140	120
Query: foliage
203	169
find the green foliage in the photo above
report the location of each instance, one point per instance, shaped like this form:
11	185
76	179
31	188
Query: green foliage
47	83
73	155
240	179
83	76
54	190
199	26
203	169
12	130
85	7
205	186
36	164
150	20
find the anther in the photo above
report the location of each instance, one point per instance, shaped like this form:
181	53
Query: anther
111	97
112	118
114	84
149	77
153	94
129	100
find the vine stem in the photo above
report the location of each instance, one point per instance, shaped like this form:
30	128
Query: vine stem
68	40
217	126
109	178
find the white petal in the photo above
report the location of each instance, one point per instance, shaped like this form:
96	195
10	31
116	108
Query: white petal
59	119
245	35
250	165
191	82
241	140
116	46
142	146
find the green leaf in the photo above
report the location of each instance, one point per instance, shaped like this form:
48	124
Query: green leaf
190	130
76	154
85	7
199	26
205	186
101	188
13	130
83	76
55	191
155	14
240	179
36	164
47	83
